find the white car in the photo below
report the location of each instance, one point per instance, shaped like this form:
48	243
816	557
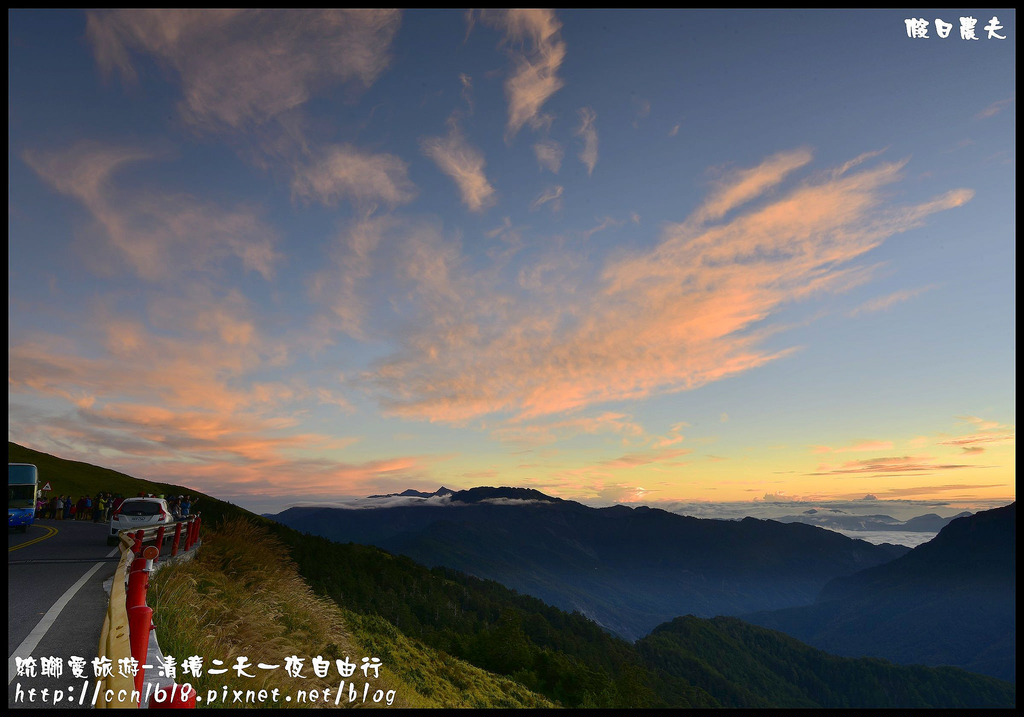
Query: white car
149	514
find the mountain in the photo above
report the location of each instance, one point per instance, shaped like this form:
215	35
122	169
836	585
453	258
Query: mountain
628	569
950	601
745	666
929	523
415	494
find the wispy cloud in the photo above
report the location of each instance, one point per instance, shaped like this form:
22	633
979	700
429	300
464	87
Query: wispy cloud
549	155
588	132
239	69
740	186
464	164
341	285
995	108
889	465
885	302
552	195
606	223
690	311
537	53
159	235
344	172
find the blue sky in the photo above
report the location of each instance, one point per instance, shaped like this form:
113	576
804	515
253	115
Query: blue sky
613	255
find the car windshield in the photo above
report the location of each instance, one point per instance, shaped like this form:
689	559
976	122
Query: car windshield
140	508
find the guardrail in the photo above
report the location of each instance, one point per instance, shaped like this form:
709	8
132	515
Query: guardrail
129	622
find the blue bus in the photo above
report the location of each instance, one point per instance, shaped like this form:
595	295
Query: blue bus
22	482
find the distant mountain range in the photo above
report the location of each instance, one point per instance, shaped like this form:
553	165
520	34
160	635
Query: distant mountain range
415	494
950	601
628	569
837	520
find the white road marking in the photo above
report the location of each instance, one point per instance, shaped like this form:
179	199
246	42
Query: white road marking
39	631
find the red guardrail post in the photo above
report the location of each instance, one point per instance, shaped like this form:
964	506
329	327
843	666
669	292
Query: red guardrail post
137	546
138	584
140	621
177	537
160	538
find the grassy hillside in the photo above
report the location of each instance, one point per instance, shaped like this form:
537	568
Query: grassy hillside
242	596
78	479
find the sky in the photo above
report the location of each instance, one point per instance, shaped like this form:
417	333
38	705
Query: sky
616	256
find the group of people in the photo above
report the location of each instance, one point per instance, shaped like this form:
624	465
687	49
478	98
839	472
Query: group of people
96	508
181	506
100	507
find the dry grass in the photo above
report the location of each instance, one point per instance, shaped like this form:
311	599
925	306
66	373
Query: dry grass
242	596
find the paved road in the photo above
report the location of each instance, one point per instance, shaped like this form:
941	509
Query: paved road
43	565
44	568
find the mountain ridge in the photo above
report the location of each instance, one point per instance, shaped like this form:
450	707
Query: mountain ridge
963	580
627	568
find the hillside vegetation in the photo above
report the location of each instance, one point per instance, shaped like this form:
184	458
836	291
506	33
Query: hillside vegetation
242	597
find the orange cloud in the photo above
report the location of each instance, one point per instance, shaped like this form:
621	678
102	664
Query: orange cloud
537	52
693	310
464	164
344	172
889	465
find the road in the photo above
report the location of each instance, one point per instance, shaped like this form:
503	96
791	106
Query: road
56	605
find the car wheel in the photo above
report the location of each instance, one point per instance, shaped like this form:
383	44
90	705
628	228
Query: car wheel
111	540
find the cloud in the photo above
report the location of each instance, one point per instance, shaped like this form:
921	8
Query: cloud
341	285
549	155
889	466
239	69
995	108
588	132
158	234
343	172
981	423
738	187
885	302
464	164
606	223
551	194
537	53
980	438
693	309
